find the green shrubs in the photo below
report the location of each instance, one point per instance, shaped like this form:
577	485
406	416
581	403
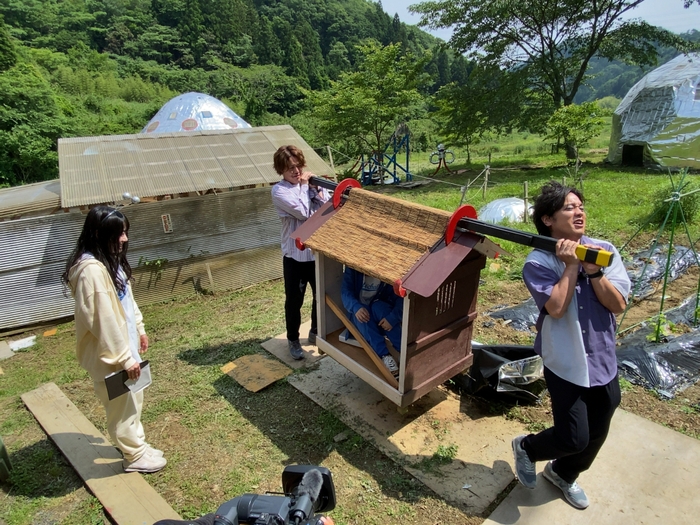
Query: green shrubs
685	194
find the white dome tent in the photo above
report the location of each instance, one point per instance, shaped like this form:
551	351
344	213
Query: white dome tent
194	112
658	121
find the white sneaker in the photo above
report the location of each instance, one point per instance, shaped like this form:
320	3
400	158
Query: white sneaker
390	363
154	451
145	464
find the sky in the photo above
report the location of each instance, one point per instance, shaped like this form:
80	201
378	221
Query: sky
668	14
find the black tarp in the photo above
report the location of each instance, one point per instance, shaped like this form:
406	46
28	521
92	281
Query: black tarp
511	373
667	366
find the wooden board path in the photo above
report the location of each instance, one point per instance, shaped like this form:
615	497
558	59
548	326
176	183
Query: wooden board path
127	498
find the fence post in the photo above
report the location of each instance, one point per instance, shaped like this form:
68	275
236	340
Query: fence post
330	157
486	183
464	191
525	218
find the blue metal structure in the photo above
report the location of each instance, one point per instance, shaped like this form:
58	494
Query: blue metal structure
379	164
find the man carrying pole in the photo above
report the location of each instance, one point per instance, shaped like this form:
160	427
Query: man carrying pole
578	301
295	201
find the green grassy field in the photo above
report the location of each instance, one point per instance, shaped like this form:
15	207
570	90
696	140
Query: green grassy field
221	440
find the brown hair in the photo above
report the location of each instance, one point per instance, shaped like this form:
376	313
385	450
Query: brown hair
282	156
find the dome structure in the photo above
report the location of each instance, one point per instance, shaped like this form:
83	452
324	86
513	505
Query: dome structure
658	121
194	112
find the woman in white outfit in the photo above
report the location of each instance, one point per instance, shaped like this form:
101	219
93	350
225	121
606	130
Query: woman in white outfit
109	329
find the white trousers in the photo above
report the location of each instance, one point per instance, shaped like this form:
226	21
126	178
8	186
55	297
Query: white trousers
124	421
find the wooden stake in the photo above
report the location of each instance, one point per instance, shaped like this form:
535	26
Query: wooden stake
486	182
330	158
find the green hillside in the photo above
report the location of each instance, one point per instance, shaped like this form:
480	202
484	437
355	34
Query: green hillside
93	67
98	67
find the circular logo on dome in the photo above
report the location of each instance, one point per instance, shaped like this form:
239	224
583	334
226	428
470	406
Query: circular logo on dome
152	127
189	124
230	122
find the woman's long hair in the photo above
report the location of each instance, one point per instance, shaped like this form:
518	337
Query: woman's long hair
100	237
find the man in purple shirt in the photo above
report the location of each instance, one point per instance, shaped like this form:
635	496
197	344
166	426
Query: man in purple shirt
576	339
295	201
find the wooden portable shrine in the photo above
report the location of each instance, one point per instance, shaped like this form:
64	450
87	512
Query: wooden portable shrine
403	244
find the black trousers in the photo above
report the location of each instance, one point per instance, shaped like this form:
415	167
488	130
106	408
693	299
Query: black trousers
296	276
581	423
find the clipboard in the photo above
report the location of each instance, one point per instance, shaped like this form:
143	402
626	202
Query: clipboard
119	383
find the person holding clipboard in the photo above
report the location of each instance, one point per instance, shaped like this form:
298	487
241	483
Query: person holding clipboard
110	331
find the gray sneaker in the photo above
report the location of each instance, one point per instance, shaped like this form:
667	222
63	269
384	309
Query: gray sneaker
312	338
572	492
524	468
390	363
295	349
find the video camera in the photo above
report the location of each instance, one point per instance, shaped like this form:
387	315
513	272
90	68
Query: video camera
308	489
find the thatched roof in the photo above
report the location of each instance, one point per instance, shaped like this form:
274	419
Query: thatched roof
379	235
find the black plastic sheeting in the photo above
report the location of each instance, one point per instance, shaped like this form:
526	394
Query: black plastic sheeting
522	317
506	373
668	366
682	258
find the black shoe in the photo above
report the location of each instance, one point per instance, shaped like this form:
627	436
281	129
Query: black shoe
295	349
312	338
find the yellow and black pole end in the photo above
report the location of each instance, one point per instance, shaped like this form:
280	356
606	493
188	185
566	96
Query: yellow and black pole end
589	255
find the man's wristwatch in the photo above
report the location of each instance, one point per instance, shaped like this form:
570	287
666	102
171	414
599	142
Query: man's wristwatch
595	275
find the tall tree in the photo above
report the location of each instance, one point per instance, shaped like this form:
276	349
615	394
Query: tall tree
30	124
552	41
365	106
466	109
266	43
191	28
8	57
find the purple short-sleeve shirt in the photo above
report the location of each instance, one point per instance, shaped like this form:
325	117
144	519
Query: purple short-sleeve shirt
597	323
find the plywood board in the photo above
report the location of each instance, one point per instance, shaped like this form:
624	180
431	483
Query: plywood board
127	498
5	350
255	372
481	469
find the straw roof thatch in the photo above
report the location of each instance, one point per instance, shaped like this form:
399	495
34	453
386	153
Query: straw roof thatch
378	235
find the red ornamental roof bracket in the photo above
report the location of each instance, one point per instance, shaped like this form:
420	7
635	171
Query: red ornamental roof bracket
300	245
460	213
398	289
340	189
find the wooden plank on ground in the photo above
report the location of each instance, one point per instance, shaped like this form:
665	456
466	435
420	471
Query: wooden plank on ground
128	498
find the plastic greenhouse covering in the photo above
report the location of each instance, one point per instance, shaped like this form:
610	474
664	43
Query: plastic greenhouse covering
660	117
